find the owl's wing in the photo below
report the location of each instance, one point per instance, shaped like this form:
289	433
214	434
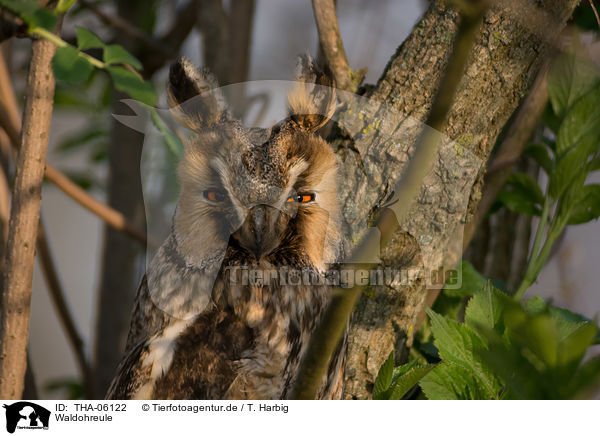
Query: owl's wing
129	377
195	359
146	318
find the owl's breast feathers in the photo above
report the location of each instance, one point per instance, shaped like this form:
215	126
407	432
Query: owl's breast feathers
246	342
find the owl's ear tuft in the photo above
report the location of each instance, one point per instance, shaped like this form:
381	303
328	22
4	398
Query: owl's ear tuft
193	96
312	101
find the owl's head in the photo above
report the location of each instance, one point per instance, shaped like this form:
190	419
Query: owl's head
267	192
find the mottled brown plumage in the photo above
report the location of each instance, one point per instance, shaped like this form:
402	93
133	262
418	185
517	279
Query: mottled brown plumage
253	201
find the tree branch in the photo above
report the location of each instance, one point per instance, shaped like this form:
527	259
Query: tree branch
502	68
335	320
182	26
9	121
510	150
54	288
15	297
331	43
10	26
110	216
60	304
120	24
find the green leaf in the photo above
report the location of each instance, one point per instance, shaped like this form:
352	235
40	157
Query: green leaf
69	66
30	12
566	321
527	186
87	39
572	348
485	308
451	382
571	78
541	155
581	123
519	376
404	383
384	378
173	142
536	305
43	18
81	139
116	54
586	380
550	119
472	281
570	166
536	333
456	344
587	208
73	388
63	6
539	353
518	202
132	84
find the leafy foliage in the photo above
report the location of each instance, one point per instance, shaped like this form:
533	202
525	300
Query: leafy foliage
522	194
72	388
74	66
506	351
116	54
127	81
394	383
70	67
30	12
567	158
87	39
570	79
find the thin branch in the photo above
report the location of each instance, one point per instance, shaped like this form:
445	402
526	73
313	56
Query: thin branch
214	25
64	314
10	26
331	328
4	215
510	149
182	26
110	216
54	288
120	24
595	12
331	43
15	297
240	21
9	121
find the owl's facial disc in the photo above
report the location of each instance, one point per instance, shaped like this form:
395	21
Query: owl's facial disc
261	232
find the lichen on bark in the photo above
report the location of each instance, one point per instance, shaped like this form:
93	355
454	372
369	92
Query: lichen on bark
502	66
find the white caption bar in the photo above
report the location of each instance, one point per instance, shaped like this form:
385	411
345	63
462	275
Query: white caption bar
311	418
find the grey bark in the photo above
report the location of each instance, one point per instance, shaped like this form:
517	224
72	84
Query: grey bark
503	65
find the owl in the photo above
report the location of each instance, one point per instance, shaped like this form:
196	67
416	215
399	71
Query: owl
229	302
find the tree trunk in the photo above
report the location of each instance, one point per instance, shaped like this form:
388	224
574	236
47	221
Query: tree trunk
121	254
513	43
15	297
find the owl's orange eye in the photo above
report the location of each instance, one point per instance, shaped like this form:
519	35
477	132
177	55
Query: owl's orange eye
301	198
215	196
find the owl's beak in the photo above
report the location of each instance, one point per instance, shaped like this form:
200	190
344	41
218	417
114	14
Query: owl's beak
258	233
